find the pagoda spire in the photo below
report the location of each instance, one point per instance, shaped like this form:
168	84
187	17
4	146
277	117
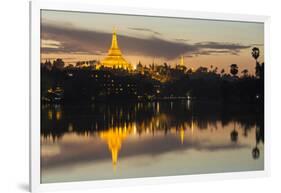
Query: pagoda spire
181	60
114	49
114	58
114	44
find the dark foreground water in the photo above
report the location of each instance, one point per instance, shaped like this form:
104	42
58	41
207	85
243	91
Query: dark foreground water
107	141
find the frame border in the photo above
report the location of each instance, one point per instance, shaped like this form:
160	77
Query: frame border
34	94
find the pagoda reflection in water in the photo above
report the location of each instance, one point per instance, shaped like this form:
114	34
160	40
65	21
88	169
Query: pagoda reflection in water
114	138
177	125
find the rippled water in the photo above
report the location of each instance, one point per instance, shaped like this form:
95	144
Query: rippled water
107	141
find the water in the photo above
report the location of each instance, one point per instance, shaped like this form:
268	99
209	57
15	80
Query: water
109	141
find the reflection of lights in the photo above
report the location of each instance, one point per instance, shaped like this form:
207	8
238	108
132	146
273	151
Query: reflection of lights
192	127
58	115
157	123
182	135
96	125
134	128
50	115
188	104
158	107
114	138
70	127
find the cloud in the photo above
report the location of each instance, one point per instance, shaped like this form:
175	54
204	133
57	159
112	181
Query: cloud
54	58
207	52
71	40
74	40
50	44
181	39
211	48
216	45
144	30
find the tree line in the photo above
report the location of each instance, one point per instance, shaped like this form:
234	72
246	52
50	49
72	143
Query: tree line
87	84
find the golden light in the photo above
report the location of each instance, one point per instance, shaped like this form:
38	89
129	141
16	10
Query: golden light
114	59
58	115
182	135
114	138
50	115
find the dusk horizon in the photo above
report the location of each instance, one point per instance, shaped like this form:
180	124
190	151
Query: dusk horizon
75	36
126	96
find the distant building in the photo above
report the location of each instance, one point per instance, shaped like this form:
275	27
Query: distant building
140	68
114	59
181	65
86	64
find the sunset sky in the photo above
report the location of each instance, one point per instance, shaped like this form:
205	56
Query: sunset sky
75	36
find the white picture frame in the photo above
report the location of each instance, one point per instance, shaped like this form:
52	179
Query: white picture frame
36	6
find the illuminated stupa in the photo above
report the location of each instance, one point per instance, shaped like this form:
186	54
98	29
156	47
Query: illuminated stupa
114	59
181	61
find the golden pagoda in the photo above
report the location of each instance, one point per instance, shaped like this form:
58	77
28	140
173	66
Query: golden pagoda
114	138
114	59
181	61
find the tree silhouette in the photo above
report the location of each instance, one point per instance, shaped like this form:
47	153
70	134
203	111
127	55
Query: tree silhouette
256	152
203	83
139	67
234	69
255	55
234	134
215	70
245	72
202	69
58	64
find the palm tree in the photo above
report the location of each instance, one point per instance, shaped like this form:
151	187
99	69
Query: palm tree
256	152
234	69
234	134
255	55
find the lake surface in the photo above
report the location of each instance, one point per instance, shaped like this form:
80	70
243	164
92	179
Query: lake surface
109	141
